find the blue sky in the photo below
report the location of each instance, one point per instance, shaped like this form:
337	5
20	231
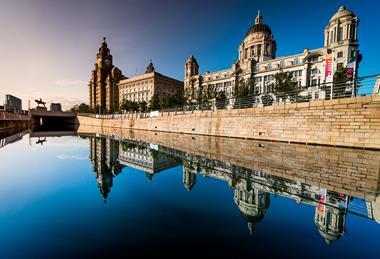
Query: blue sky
48	48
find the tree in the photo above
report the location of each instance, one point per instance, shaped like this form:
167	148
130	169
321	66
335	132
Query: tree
285	87
220	100
267	100
340	82
82	108
179	98
126	105
135	106
154	103
167	101
143	106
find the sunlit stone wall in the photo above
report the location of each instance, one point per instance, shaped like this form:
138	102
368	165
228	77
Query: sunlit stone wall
350	171
353	122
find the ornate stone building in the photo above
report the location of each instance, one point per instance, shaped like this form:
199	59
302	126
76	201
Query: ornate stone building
103	85
258	61
142	87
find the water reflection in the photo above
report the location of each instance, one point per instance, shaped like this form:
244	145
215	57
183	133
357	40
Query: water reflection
256	175
252	188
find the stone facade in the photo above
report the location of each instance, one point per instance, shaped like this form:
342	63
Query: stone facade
258	61
143	87
103	85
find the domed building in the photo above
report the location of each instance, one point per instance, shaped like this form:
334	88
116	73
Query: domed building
258	63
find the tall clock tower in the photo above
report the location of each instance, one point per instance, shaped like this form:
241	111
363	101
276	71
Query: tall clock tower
103	85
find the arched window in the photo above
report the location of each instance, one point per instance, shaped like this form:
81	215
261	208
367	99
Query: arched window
282	64
296	61
269	66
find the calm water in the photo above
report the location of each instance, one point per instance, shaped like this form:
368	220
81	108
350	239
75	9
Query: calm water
101	196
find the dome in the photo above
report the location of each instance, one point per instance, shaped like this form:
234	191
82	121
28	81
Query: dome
342	12
259	26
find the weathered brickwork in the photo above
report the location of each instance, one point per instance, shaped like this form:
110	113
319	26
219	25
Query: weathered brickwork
350	171
352	122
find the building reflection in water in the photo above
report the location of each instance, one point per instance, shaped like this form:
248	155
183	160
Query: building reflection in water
104	154
252	189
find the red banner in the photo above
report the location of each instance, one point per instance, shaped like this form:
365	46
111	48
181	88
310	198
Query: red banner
328	60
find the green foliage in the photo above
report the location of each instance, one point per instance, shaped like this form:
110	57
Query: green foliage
244	88
143	106
171	101
154	103
267	100
128	105
82	108
285	87
153	153
220	96
340	82
127	145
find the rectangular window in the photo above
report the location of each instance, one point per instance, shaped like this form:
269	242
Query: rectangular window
339	65
352	31
340	34
316	95
340	54
314	82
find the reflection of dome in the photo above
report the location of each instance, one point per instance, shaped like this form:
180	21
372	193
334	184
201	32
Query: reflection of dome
258	26
330	221
252	203
252	218
342	12
330	236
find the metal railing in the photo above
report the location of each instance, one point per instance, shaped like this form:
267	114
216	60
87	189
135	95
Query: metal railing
361	86
13	116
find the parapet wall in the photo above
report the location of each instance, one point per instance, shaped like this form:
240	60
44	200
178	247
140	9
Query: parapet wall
351	122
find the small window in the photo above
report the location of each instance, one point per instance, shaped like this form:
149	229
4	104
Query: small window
282	64
316	96
340	54
296	61
339	65
269	66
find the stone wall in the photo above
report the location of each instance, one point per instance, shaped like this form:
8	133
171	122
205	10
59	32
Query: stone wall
352	122
350	171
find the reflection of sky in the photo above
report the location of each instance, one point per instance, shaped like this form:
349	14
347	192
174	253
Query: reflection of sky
52	207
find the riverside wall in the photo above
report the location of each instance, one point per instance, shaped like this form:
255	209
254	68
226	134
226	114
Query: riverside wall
349	122
349	171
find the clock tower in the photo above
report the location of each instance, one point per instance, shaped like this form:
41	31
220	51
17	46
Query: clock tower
103	88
